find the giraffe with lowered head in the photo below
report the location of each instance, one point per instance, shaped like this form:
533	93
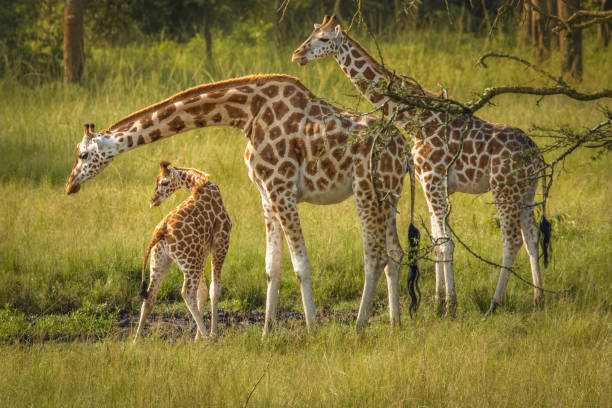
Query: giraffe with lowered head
479	156
297	150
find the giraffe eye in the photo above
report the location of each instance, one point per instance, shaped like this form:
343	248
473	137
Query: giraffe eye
324	39
83	156
165	183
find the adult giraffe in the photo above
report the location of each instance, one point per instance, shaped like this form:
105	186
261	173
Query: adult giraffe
297	151
486	157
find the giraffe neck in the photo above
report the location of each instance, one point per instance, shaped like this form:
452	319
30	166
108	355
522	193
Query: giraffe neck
190	178
229	103
364	72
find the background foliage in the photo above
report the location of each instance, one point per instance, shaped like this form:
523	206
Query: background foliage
31	30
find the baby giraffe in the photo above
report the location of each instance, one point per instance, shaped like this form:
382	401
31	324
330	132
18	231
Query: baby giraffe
197	227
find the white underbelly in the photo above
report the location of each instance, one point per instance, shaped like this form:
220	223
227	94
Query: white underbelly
333	194
479	186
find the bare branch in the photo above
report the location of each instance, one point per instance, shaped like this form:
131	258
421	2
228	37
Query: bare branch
540	71
576	20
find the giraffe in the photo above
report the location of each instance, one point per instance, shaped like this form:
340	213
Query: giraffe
297	150
487	157
199	226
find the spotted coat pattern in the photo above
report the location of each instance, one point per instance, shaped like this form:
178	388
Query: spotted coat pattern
486	157
199	226
297	151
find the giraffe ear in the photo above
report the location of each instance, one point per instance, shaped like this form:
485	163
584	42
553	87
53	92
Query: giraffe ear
87	135
317	26
164	164
337	30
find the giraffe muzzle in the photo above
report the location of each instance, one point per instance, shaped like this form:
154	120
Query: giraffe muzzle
299	56
72	188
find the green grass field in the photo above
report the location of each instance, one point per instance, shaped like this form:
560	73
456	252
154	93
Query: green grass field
67	264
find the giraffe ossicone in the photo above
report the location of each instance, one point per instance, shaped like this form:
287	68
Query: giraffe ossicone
450	154
200	226
297	151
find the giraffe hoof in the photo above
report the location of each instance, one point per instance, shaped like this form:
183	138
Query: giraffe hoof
491	310
451	308
360	327
439	306
538	302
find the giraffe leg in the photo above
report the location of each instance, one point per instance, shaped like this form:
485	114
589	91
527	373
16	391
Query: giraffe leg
292	229
434	189
202	289
530	233
445	255
440	294
445	297
373	226
394	251
509	218
192	271
159	268
202	296
274	263
218	257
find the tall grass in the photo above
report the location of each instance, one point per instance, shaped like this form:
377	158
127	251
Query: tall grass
546	359
58	252
80	255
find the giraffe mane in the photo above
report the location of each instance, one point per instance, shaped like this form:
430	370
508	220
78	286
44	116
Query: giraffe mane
215	86
372	60
198	172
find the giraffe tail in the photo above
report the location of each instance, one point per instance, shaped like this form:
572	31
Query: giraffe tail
545	227
414	237
413	279
157	236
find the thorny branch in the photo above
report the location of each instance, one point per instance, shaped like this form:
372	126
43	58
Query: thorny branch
579	20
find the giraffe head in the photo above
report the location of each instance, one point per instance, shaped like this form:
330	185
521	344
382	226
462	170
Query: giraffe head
167	183
324	40
92	155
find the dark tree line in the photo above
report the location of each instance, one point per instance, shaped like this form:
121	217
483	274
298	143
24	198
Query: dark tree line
560	23
33	38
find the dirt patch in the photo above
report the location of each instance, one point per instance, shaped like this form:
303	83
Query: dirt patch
174	325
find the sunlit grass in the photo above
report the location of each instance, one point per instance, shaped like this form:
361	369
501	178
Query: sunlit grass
62	257
552	358
58	252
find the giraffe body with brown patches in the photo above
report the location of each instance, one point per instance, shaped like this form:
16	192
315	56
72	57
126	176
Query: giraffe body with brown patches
198	227
467	155
297	151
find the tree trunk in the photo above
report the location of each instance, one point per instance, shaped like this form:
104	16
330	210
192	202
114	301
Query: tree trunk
208	18
278	35
74	55
554	39
540	29
525	34
337	11
570	42
603	29
486	20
